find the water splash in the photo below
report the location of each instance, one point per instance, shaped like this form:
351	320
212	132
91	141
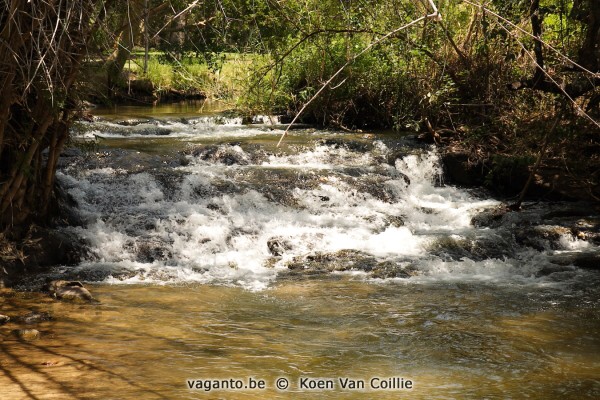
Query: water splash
218	218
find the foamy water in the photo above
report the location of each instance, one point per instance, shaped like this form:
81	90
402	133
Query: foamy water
211	219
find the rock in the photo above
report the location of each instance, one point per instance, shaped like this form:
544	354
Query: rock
351	145
70	290
587	261
395	220
27	334
133	122
552	269
51	247
389	269
228	154
395	155
184	161
271	262
277	246
460	169
489	218
542	237
343	260
4	319
151	250
473	248
35	317
581	260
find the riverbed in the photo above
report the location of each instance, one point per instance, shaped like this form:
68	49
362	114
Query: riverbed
336	258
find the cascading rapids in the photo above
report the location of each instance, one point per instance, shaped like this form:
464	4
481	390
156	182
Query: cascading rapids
245	219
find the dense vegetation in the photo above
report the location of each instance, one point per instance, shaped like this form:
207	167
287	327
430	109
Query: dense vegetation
492	79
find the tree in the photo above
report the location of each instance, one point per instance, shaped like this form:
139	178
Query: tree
42	47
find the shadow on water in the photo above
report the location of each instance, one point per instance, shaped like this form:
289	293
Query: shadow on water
61	374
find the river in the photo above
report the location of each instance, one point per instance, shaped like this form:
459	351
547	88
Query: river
336	258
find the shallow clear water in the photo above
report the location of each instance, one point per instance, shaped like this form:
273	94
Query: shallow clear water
453	340
216	255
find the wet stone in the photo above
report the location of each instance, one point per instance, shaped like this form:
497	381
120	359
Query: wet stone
542	237
395	220
343	260
390	269
228	154
489	218
277	246
552	269
351	145
132	122
35	317
150	250
4	319
476	249
27	334
271	262
588	261
70	290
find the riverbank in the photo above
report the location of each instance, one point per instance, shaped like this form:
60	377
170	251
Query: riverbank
569	168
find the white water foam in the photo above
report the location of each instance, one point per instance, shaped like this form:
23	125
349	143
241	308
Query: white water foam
214	226
198	127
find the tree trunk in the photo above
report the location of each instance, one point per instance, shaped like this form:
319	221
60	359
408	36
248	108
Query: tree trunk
37	74
127	36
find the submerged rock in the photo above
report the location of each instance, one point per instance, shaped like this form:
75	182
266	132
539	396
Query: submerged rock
35	317
70	290
133	121
149	250
4	319
395	220
27	334
552	269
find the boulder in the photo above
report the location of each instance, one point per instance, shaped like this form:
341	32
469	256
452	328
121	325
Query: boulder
50	247
70	290
461	169
490	218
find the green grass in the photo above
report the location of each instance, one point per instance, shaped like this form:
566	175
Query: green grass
225	80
